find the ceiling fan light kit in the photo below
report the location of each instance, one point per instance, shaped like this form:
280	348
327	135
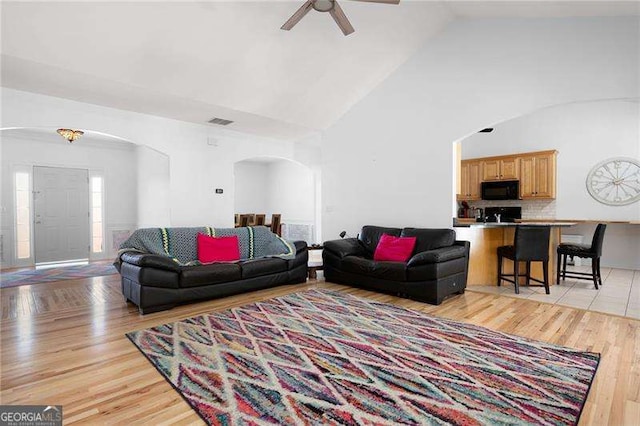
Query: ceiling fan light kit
334	10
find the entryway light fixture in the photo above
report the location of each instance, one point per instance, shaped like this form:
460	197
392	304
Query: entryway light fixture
70	134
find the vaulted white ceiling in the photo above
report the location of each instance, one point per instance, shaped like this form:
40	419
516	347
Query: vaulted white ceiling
194	61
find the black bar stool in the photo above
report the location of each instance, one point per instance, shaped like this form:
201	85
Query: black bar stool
530	244
593	252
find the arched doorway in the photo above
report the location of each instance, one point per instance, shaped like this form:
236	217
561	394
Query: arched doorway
273	185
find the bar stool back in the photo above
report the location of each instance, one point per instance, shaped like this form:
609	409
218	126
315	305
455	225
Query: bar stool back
593	252
530	244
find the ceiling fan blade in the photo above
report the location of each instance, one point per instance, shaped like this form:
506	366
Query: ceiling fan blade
381	1
341	19
296	17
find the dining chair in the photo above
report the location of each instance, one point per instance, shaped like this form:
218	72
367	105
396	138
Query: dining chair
594	252
275	224
260	220
244	220
530	244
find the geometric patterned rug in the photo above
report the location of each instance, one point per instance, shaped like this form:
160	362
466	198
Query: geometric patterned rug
35	276
324	357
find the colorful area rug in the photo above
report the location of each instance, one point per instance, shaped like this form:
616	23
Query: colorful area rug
33	276
322	357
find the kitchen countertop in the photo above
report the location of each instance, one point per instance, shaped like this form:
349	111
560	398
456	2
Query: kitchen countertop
554	224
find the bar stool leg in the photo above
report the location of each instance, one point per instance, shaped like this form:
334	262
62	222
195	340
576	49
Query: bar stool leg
599	274
545	271
515	276
558	269
499	270
528	272
564	267
594	271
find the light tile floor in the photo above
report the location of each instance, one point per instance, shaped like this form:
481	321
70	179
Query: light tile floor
619	294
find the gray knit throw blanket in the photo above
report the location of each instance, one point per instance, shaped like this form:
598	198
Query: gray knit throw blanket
180	244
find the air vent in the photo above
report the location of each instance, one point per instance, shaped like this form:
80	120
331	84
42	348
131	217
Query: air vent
487	130
220	121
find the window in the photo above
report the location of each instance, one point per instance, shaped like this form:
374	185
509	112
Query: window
23	215
97	234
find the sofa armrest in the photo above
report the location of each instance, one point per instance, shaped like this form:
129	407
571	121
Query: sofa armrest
438	255
300	246
465	244
147	260
345	247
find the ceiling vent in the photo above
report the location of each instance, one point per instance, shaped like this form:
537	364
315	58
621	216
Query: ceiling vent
487	130
220	121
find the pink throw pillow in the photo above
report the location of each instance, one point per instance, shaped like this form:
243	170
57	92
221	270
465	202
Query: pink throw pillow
395	249
218	249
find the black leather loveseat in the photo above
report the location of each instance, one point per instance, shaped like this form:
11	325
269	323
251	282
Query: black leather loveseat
437	268
155	283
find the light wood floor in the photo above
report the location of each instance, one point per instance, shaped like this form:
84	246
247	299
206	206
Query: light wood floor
63	343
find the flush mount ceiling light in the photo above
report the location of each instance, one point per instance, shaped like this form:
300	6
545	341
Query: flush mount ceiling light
334	10
69	134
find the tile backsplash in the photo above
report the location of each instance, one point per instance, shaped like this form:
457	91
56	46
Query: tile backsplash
531	209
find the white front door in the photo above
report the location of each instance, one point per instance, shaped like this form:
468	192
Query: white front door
61	214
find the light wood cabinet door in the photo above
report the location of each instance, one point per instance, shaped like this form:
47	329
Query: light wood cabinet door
527	177
491	170
504	169
545	176
538	176
464	181
509	169
474	180
469	181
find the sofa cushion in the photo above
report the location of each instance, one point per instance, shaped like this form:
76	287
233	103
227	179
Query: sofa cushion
429	239
218	249
264	266
370	235
394	249
393	271
194	276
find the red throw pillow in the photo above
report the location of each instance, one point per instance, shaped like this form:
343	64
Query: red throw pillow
395	249
218	249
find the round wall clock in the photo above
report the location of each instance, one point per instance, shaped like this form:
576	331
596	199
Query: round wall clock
615	182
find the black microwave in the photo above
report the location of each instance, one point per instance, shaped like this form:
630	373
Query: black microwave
501	190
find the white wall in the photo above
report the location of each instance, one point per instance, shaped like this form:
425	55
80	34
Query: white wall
278	186
152	184
116	164
584	134
251	187
291	192
201	157
389	161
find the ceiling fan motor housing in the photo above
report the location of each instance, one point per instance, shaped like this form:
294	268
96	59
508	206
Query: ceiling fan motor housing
323	5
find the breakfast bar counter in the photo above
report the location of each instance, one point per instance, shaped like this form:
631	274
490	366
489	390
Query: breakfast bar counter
486	237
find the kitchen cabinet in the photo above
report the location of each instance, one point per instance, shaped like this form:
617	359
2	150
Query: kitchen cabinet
538	175
469	180
505	168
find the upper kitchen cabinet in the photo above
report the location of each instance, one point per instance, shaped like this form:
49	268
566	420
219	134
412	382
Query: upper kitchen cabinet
538	175
469	180
503	168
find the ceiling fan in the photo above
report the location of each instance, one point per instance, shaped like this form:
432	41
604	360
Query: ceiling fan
334	10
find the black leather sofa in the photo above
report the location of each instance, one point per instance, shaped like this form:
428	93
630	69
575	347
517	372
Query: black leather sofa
155	283
438	267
